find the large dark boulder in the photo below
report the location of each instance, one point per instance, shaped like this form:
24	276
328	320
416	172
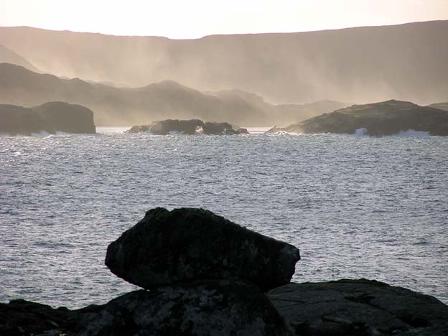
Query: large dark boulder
189	127
377	119
215	308
169	247
359	308
50	117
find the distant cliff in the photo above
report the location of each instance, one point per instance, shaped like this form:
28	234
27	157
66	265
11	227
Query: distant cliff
377	119
51	117
408	62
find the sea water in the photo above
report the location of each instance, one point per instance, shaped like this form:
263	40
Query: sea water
357	207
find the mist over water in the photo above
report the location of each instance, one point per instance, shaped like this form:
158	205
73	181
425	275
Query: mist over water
364	64
355	206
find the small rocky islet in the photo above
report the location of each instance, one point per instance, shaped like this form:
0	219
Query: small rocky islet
204	275
187	127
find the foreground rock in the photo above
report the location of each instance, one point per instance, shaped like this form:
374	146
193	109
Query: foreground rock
193	126
182	245
218	308
21	317
339	308
206	276
50	117
359	307
378	119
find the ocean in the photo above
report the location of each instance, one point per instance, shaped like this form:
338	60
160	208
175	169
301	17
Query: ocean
356	206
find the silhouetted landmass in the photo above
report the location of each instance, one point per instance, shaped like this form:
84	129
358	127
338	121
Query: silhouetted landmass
50	117
167	99
407	61
377	119
192	126
9	56
440	106
209	276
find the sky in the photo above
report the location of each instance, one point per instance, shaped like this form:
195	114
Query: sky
197	18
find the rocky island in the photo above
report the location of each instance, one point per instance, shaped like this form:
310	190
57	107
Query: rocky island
192	126
209	276
377	119
50	117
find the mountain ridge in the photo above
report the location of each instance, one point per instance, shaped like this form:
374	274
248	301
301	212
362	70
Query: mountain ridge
155	101
350	64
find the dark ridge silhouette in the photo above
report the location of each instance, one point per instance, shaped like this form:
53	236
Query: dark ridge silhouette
163	100
407	62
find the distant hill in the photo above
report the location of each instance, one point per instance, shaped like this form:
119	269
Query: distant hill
130	106
384	118
50	117
407	62
9	56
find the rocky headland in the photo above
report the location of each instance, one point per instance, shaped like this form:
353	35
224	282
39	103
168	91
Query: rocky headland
50	117
192	126
378	119
209	276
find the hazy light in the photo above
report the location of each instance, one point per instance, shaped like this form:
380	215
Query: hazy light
196	18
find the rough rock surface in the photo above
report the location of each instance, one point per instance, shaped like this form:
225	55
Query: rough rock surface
218	308
215	308
359	308
21	317
50	117
339	308
186	244
193	126
378	119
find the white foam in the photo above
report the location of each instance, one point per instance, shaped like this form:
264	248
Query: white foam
408	133
42	134
414	133
361	132
257	130
112	130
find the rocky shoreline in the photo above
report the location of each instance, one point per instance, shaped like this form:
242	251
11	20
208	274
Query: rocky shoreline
204	275
378	119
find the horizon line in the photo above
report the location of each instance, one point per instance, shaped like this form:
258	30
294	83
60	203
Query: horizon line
221	34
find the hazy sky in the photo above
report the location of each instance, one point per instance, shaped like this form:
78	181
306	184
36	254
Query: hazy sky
196	18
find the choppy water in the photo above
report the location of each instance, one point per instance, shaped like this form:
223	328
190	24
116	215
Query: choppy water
356	206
